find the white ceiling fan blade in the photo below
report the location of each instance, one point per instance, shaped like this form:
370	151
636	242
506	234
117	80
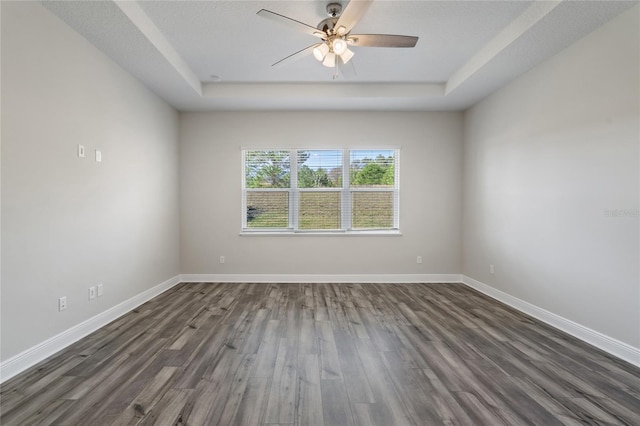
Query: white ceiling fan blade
296	56
382	40
291	23
351	15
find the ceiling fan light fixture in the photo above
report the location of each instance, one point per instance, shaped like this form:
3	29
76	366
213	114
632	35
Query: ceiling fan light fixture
339	46
346	56
329	60
335	33
320	51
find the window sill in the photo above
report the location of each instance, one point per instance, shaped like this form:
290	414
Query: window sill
321	233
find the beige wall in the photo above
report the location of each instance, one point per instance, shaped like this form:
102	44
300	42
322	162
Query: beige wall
430	193
545	158
70	223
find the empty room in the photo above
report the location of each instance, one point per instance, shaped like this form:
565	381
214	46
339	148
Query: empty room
320	213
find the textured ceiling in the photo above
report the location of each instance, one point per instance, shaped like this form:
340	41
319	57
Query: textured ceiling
466	50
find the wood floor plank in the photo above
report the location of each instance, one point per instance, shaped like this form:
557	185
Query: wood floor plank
31	405
448	408
32	386
147	398
355	379
362	415
89	404
335	404
255	332
111	406
324	354
236	393
357	327
282	397
210	349
168	410
587	411
215	390
253	406
389	408
481	412
268	350
309	394
307	339
210	388
382	337
557	406
420	405
329	358
320	305
513	404
47	414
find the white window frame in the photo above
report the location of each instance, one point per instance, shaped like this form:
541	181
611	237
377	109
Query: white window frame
346	195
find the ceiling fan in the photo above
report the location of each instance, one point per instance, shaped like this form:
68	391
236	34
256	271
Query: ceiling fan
335	33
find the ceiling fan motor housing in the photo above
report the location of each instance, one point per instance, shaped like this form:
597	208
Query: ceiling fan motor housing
334	10
327	25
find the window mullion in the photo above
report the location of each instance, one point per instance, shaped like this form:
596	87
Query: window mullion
293	190
396	189
244	191
244	208
346	194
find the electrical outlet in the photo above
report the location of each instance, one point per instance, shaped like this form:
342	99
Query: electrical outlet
222	259
419	259
100	290
491	269
92	293
81	151
62	304
98	156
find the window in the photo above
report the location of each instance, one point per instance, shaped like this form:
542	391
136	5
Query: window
320	190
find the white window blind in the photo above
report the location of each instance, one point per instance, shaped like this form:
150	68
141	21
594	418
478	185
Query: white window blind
373	189
319	189
307	190
267	186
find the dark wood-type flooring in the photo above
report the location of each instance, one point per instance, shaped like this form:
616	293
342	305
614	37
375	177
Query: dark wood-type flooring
332	354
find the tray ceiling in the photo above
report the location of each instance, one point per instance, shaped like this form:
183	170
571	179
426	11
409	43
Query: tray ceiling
217	55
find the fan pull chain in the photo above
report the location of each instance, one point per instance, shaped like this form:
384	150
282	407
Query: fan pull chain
338	69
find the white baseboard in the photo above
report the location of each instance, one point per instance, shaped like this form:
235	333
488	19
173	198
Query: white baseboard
608	344
41	351
320	278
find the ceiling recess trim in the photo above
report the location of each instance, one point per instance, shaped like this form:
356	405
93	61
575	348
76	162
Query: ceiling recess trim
146	26
323	90
512	32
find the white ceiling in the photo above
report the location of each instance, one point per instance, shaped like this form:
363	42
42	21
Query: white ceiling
466	50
